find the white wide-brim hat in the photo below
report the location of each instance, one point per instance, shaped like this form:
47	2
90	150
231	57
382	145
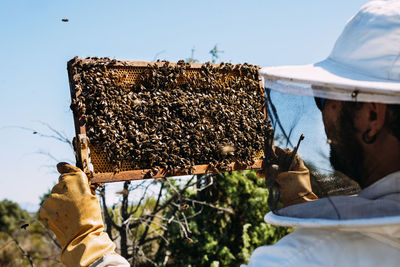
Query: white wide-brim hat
363	66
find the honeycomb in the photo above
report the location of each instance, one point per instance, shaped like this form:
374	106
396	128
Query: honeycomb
130	72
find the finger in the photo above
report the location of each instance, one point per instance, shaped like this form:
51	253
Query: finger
282	152
93	188
61	187
64	167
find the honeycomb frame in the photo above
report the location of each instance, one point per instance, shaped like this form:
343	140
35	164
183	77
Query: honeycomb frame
93	161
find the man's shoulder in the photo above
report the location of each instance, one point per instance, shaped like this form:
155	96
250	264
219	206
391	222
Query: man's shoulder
324	247
303	246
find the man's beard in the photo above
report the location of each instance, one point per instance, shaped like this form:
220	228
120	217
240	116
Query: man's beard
347	154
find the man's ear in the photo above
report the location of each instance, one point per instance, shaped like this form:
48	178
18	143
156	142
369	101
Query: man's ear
377	115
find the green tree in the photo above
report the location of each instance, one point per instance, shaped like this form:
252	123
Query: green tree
12	217
226	231
24	241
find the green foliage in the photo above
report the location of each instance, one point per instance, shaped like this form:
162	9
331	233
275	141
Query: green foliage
11	216
44	197
226	236
33	240
215	54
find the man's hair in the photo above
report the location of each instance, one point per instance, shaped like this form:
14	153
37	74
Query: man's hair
392	120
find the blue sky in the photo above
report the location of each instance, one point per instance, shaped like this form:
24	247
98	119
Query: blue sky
36	45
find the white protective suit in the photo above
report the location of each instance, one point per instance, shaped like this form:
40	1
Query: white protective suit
362	230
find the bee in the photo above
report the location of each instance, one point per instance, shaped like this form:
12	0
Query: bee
173	118
123	192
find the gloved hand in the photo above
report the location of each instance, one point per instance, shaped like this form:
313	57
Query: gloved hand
73	214
294	185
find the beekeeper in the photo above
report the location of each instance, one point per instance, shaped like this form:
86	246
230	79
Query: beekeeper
357	89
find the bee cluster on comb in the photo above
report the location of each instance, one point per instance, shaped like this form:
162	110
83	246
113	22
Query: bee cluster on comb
173	116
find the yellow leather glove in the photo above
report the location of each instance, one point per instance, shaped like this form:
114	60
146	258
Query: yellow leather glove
73	214
294	185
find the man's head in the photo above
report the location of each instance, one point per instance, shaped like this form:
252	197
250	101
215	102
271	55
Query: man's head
364	138
364	66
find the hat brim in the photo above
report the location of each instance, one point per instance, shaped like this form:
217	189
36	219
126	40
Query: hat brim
330	80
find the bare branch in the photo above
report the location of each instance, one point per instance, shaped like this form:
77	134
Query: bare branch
151	220
49	155
6	244
206	186
185	220
140	201
228	210
180	192
57	135
108	218
156	56
49	234
61	136
23	251
197	213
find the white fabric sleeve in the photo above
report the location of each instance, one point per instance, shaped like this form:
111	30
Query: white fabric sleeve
325	247
111	260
